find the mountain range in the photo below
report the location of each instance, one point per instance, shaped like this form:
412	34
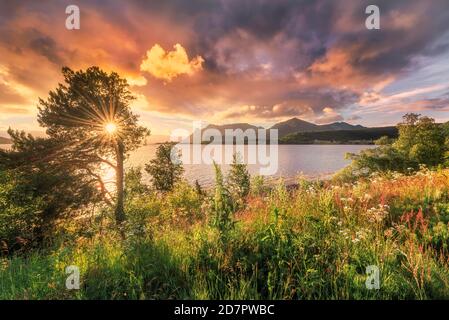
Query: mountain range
299	131
296	125
358	136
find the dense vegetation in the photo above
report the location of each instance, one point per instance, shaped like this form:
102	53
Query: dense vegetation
421	142
312	242
242	239
354	136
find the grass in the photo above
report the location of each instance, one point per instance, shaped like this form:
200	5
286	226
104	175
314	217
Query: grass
312	242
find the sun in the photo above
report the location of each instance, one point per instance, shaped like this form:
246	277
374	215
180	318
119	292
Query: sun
110	127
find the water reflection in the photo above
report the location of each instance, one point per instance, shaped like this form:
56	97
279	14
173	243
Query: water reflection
313	161
107	174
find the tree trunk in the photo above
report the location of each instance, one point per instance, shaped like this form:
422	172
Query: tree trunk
119	210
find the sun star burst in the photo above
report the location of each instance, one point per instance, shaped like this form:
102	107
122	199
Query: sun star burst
110	127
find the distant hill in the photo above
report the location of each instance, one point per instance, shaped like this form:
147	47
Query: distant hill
222	129
295	125
4	140
297	131
340	126
359	136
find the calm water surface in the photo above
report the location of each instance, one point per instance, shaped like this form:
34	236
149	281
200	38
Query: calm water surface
313	161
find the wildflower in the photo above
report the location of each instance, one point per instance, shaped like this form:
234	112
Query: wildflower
388	233
377	214
367	196
345	233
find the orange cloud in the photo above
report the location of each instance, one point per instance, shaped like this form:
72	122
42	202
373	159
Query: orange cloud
329	115
138	81
168	65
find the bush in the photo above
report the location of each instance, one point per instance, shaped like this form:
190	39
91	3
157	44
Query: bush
165	169
258	186
183	203
141	204
134	187
239	180
21	212
222	207
32	202
38	189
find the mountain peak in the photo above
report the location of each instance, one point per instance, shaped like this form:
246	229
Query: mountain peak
295	119
341	125
290	126
295	125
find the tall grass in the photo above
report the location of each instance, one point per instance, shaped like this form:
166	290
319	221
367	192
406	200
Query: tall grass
310	242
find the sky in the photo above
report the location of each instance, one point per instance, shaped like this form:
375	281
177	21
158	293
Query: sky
227	61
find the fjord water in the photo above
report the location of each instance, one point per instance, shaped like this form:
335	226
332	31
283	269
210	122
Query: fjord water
312	161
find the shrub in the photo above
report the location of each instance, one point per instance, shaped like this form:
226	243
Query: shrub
222	206
183	203
134	187
139	211
258	186
141	204
166	169
20	210
239	180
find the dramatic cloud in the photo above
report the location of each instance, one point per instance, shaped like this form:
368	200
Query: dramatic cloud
329	115
235	60
13	95
9	96
169	65
138	81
